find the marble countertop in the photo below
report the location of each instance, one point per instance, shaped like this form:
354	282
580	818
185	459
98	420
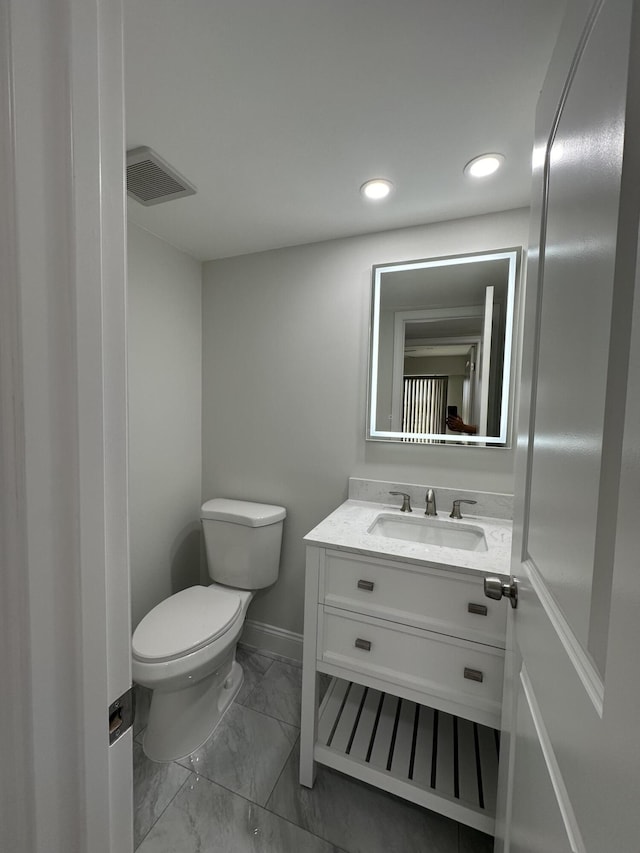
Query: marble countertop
346	529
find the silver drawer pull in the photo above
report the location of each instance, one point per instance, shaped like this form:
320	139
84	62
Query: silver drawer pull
480	609
473	674
368	585
365	645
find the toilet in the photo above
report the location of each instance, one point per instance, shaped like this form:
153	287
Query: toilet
184	650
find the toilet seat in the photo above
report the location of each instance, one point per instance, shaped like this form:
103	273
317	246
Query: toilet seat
185	622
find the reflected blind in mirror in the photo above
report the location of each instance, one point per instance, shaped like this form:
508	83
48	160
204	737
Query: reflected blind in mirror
424	405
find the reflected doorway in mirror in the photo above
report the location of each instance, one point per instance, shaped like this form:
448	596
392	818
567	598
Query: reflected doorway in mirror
442	340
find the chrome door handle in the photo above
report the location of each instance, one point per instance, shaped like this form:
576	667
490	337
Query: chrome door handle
496	589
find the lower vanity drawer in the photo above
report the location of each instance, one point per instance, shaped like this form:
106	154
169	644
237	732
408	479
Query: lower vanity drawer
435	665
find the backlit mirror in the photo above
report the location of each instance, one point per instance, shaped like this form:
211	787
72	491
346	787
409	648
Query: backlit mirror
441	349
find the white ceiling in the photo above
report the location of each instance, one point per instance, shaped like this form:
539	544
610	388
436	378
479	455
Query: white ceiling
278	110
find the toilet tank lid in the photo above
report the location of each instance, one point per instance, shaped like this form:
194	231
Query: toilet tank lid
242	512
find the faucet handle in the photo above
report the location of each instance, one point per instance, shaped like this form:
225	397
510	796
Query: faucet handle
406	501
455	509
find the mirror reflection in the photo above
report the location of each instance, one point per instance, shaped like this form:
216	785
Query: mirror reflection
441	349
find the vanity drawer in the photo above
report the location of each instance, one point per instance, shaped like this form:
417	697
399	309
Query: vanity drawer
433	599
436	665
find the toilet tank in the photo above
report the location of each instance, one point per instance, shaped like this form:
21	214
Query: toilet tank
242	542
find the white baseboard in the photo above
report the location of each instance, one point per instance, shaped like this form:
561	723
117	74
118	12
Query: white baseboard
271	639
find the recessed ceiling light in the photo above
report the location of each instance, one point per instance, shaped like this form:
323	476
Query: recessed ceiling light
376	189
485	164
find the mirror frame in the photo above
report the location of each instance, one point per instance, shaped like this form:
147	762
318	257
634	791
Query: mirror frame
514	257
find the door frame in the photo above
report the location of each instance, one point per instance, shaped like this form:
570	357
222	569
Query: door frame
64	607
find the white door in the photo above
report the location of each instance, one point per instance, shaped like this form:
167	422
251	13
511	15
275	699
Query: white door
485	360
468	385
571	779
64	600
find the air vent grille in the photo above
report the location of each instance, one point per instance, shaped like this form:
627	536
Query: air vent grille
150	179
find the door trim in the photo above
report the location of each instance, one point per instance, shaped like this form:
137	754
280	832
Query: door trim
584	666
562	795
16	732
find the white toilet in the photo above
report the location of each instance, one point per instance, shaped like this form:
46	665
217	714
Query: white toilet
184	649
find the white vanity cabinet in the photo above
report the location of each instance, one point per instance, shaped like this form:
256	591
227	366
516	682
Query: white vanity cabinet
416	653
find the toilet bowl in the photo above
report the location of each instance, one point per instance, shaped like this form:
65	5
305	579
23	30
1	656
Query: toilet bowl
184	649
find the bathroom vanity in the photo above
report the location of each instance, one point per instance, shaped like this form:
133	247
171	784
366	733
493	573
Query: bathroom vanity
415	652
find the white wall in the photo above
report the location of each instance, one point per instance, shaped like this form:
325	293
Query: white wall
165	403
285	384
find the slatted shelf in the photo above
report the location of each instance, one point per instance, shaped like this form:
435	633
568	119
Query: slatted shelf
441	761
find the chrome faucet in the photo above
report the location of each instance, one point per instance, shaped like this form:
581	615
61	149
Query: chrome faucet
455	509
431	503
406	501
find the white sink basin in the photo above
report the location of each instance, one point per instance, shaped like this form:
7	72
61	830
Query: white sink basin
427	530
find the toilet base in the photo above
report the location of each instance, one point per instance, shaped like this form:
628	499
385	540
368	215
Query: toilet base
180	721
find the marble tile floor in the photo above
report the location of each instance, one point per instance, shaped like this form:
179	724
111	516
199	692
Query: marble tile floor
239	792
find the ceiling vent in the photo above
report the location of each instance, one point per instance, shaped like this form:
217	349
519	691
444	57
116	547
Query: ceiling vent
151	180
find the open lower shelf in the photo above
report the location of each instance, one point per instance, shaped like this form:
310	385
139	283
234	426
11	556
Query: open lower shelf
443	762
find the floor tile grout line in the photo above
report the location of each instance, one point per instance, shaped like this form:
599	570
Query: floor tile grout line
192	774
261	711
264	808
292	822
255	686
219	730
272	656
263	676
166	807
244	796
282	769
266	713
251	656
273	717
186	758
270	717
203	775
